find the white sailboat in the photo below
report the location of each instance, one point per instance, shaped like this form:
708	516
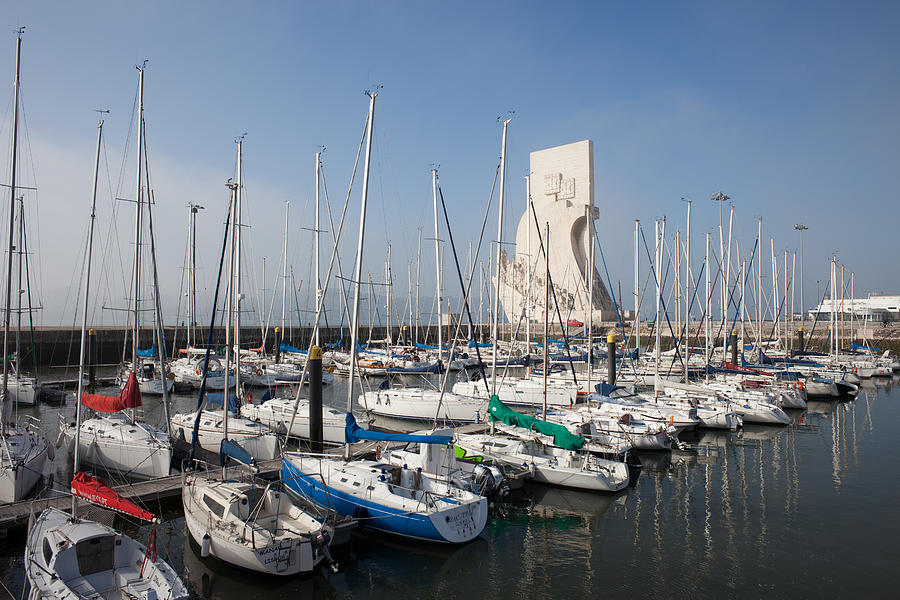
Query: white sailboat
384	497
149	373
234	517
67	557
23	450
114	439
278	413
549	464
209	426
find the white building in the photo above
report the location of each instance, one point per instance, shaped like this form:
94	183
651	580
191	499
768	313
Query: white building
877	308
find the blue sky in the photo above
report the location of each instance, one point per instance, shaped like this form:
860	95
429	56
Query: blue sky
790	108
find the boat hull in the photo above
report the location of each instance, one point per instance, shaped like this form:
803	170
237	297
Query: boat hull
454	524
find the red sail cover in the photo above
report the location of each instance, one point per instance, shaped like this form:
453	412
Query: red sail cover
734	367
129	397
85	486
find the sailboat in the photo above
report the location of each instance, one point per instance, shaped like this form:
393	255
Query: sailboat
418	403
114	439
150	379
235	517
385	497
23	389
23	450
552	453
208	424
71	557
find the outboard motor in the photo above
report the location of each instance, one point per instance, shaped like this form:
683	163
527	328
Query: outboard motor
484	480
501	485
322	543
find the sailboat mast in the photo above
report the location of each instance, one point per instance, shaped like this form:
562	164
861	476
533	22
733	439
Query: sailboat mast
229	307
547	319
137	223
528	267
84	309
437	266
590	306
418	272
760	308
708	306
19	290
637	289
774	287
726	335
496	316
657	259
354	317
236	296
284	269
793	287
192	298
389	282
688	280
12	210
316	238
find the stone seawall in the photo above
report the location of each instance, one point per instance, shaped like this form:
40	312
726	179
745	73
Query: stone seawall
59	346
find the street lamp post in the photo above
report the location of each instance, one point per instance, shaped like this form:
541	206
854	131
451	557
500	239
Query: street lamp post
801	228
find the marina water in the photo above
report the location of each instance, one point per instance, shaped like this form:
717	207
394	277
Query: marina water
803	510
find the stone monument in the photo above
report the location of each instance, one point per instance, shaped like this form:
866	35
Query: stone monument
562	189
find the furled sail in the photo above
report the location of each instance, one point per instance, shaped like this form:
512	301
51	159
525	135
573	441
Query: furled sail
92	490
218	399
234	450
129	397
562	437
353	433
287	348
148	352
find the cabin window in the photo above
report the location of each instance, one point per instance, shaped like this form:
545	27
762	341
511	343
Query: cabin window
214	506
48	552
356	483
96	555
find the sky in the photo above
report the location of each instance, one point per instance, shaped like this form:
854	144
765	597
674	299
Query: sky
789	108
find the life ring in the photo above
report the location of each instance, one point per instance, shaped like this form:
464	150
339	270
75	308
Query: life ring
259	372
798	385
378	452
199	371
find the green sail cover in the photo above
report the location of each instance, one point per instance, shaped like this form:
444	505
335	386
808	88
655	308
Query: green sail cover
562	437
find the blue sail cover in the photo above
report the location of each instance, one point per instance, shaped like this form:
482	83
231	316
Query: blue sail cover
436	367
232	449
425	347
855	346
472	344
218	399
605	389
353	433
148	352
287	348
